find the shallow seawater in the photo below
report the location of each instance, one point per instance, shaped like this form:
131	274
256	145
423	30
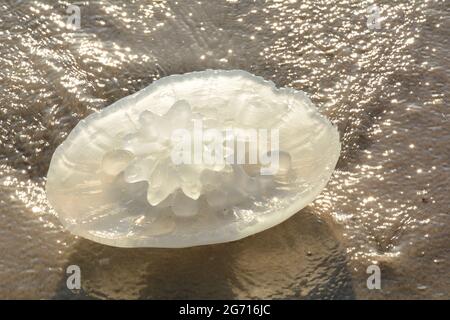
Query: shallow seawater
387	89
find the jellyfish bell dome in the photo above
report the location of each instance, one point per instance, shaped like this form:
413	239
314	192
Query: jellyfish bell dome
193	159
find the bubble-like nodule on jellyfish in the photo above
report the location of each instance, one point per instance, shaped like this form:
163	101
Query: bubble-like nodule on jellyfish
194	159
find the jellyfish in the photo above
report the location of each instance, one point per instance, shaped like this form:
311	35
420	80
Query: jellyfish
193	159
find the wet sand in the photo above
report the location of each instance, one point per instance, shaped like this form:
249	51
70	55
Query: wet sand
387	90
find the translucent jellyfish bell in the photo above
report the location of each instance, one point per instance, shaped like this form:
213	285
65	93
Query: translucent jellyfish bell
119	179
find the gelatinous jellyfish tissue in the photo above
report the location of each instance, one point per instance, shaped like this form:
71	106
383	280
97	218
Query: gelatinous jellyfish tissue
193	159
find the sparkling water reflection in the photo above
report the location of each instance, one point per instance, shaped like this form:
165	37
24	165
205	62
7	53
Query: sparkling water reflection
386	89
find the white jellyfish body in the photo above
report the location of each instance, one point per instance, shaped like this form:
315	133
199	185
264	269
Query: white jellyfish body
169	166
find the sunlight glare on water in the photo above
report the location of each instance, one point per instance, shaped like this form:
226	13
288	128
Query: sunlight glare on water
385	88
